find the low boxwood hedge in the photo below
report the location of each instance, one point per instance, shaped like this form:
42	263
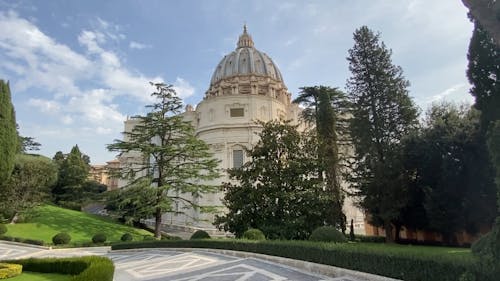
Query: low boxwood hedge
8	270
399	262
90	268
22	240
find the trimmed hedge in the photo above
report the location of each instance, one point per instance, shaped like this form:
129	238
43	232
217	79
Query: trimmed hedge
61	238
22	240
327	234
127	237
99	238
399	263
254	234
369	238
3	229
8	270
200	234
90	268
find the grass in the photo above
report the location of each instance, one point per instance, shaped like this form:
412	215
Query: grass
36	276
50	220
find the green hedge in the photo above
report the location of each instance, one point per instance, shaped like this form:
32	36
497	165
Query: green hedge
90	268
399	263
23	240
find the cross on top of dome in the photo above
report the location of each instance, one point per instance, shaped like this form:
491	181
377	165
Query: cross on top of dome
245	39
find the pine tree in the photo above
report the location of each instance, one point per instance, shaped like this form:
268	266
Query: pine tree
8	133
173	158
484	74
324	107
382	114
73	172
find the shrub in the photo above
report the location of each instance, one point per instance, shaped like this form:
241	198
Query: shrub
99	238
3	229
148	238
23	240
8	270
61	238
327	234
200	234
127	237
83	268
254	234
369	238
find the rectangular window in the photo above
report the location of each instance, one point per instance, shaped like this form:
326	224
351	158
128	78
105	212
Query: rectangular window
237	158
237	112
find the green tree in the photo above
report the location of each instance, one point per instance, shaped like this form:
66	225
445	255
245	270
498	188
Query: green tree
487	12
325	107
279	191
73	172
483	73
8	133
173	158
382	114
454	172
29	184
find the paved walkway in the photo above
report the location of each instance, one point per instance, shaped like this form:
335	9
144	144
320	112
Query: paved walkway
164	264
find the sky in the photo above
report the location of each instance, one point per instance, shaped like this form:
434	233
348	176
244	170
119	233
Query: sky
77	69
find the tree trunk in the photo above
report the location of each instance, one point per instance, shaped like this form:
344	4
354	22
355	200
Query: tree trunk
389	237
397	232
158	223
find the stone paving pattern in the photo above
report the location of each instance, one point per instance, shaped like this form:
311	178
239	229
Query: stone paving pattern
164	264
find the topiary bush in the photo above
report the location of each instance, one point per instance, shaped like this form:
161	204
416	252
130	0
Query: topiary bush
127	237
3	229
148	238
327	234
254	234
61	238
200	234
8	270
99	238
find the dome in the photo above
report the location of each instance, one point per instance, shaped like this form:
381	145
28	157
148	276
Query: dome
246	60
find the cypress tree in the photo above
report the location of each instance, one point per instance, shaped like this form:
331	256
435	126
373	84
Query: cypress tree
8	133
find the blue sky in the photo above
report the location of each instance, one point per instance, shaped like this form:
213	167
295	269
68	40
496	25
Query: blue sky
78	68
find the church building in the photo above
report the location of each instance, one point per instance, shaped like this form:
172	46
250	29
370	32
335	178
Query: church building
246	86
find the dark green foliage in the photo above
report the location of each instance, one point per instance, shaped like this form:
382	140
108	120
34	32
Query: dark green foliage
73	172
3	229
22	240
8	133
90	268
369	238
61	238
484	73
253	234
148	238
327	234
454	188
279	191
99	238
397	262
29	184
28	144
382	114
326	107
200	234
174	139
493	140
127	237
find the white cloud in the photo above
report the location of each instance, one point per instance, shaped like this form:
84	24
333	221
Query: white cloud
45	106
138	46
183	88
448	92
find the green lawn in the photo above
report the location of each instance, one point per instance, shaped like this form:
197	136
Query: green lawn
36	276
50	220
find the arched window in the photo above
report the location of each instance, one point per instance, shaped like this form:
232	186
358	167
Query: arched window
238	158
